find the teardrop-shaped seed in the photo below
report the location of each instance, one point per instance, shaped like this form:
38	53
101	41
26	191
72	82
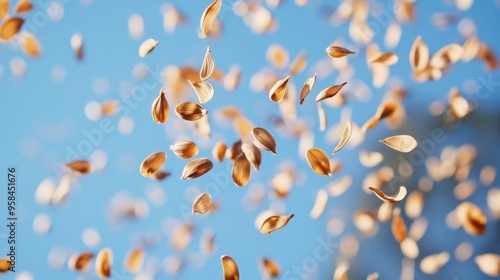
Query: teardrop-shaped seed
298	64
253	155
204	91
319	204
402	143
134	260
4	11
472	218
103	263
329	92
386	59
219	151
202	204
270	268
10	28
318	161
30	44
229	268
23	6
489	264
241	171
190	111
391	199
433	263
196	168
398	226
184	149
419	55
307	87
274	223
80	166
338	52
346	135
160	108
263	139
147	46
152	164
208	17
80	261
207	68
278	91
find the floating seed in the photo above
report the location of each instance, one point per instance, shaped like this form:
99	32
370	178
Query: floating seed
346	134
202	204
318	161
329	92
10	28
319	204
274	223
263	139
147	46
338	52
196	168
398	226
489	264
80	166
207	68
152	164
184	149
402	143
219	151
253	154
307	87
190	111
134	260
29	44
208	17
229	268
433	263
80	261
241	171
160	108
277	92
103	263
270	268
298	64
391	199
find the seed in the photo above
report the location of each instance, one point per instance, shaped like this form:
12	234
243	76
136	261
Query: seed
202	126
208	17
160	108
384	213
277	55
471	218
202	204
278	91
263	139
393	35
147	46
338	52
322	118
274	223
459	105
402	143
80	167
23	6
370	159
4	265
10	28
219	151
207	242
414	204
398	226
380	74
241	171
386	59
418	228
419	55
184	149
307	87
181	236
464	251
232	78
433	263
29	44
346	135
319	204
391	199
253	154
298	64
270	268
447	55
204	91
190	111
134	260
80	261
318	161
338	187
329	92
103	263
489	264
152	164
207	68
229	268
196	168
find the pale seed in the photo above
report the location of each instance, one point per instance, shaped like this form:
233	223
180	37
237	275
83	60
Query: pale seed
147	46
207	68
346	134
196	168
103	263
277	92
329	92
202	204
402	143
307	87
274	223
209	16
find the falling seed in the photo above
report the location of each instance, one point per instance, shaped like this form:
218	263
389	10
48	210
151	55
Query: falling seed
270	268
80	167
447	55
202	204
232	78
207	242
235	151
207	68
152	164
341	271
384	213
29	44
418	228
489	264
160	108
208	17
103	263
322	117
393	35
263	139
10	28
346	135
184	149
398	226
202	126
419	55
370	159
278	91
319	204
196	168
470	49
307	87
391	199
147	46
80	261
365	222
253	154
318	161
433	263
241	171
4	265
386	59
471	218
409	248
204	91
487	175
134	260
282	184
464	251
402	143
77	45
190	111
459	106
338	52
274	223
329	92
219	151
414	204
298	64
380	74
373	276
229	268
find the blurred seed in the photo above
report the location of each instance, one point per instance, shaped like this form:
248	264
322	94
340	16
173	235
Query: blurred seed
346	134
370	159
338	52
322	117
492	199
386	59
341	271
152	164
414	204
80	167
392	35
29	44
135	26
409	248
207	242
418	228
204	91
184	149
489	264
329	92
277	55
464	189
219	151
398	226
196	168
307	87
109	108
44	191
419	55
318	161
202	126
373	276
207	68
160	175
253	154
335	166
384	213
263	139
402	143
464	251
433	263
241	171
338	187
391	199
274	223
80	261
147	46
4	265
134	260
459	105
42	224
173	264
365	222
232	78
235	151
62	190
243	127
464	4
181	236
4	8
488	175
160	108
190	111
319	204
202	204
380	74
282	184
447	55
209	16
103	263
270	268
77	45
298	64
10	28
229	268
471	218
277	92
470	49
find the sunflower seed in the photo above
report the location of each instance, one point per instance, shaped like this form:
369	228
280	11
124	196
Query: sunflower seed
419	55
346	135
134	260
160	108
207	242
329	92
319	204
277	55
80	167
471	218
402	143
253	154
190	111
207	68
152	164
30	45
398	226
184	149
409	248
391	199
103	263
322	117
414	204
181	236
80	261
464	251
433	263
270	268
298	64
278	91
489	264
307	87
196	168
229	268
318	161
202	204
459	105
263	139
147	46
241	171
274	223
338	52
4	11
10	28
232	78
209	17
77	45
386	59
219	151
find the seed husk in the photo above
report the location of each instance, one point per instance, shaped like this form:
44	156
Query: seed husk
190	111
196	168
263	139
160	109
4	265
152	164
398	226
338	52
30	45
329	92
80	167
209	16
409	248
208	66
419	55
202	204
23	6
322	117
472	218
229	268
253	155
147	46
103	263
274	223
298	64
134	260
241	171
278	91
307	87
386	59
219	151
10	28
319	204
433	263
204	91
277	55
346	135
391	199
80	261
489	264
4	11
318	161
402	143
77	45
270	268
185	149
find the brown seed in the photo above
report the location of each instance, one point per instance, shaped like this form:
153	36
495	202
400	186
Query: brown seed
160	175
219	151
270	268
419	55
235	151
80	167
318	161
278	91
263	139
298	64
471	218
319	204
4	10
23	6
152	164
338	52
10	28
184	149
489	264
307	87
208	17
29	44
4	265
386	59
274	223
241	171
204	91
391	199
208	66
398	226
253	154
329	92
402	143
202	204
229	268
346	135
160	108
190	111
181	236
80	261
147	46
433	263
134	260
103	263
196	168
77	45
